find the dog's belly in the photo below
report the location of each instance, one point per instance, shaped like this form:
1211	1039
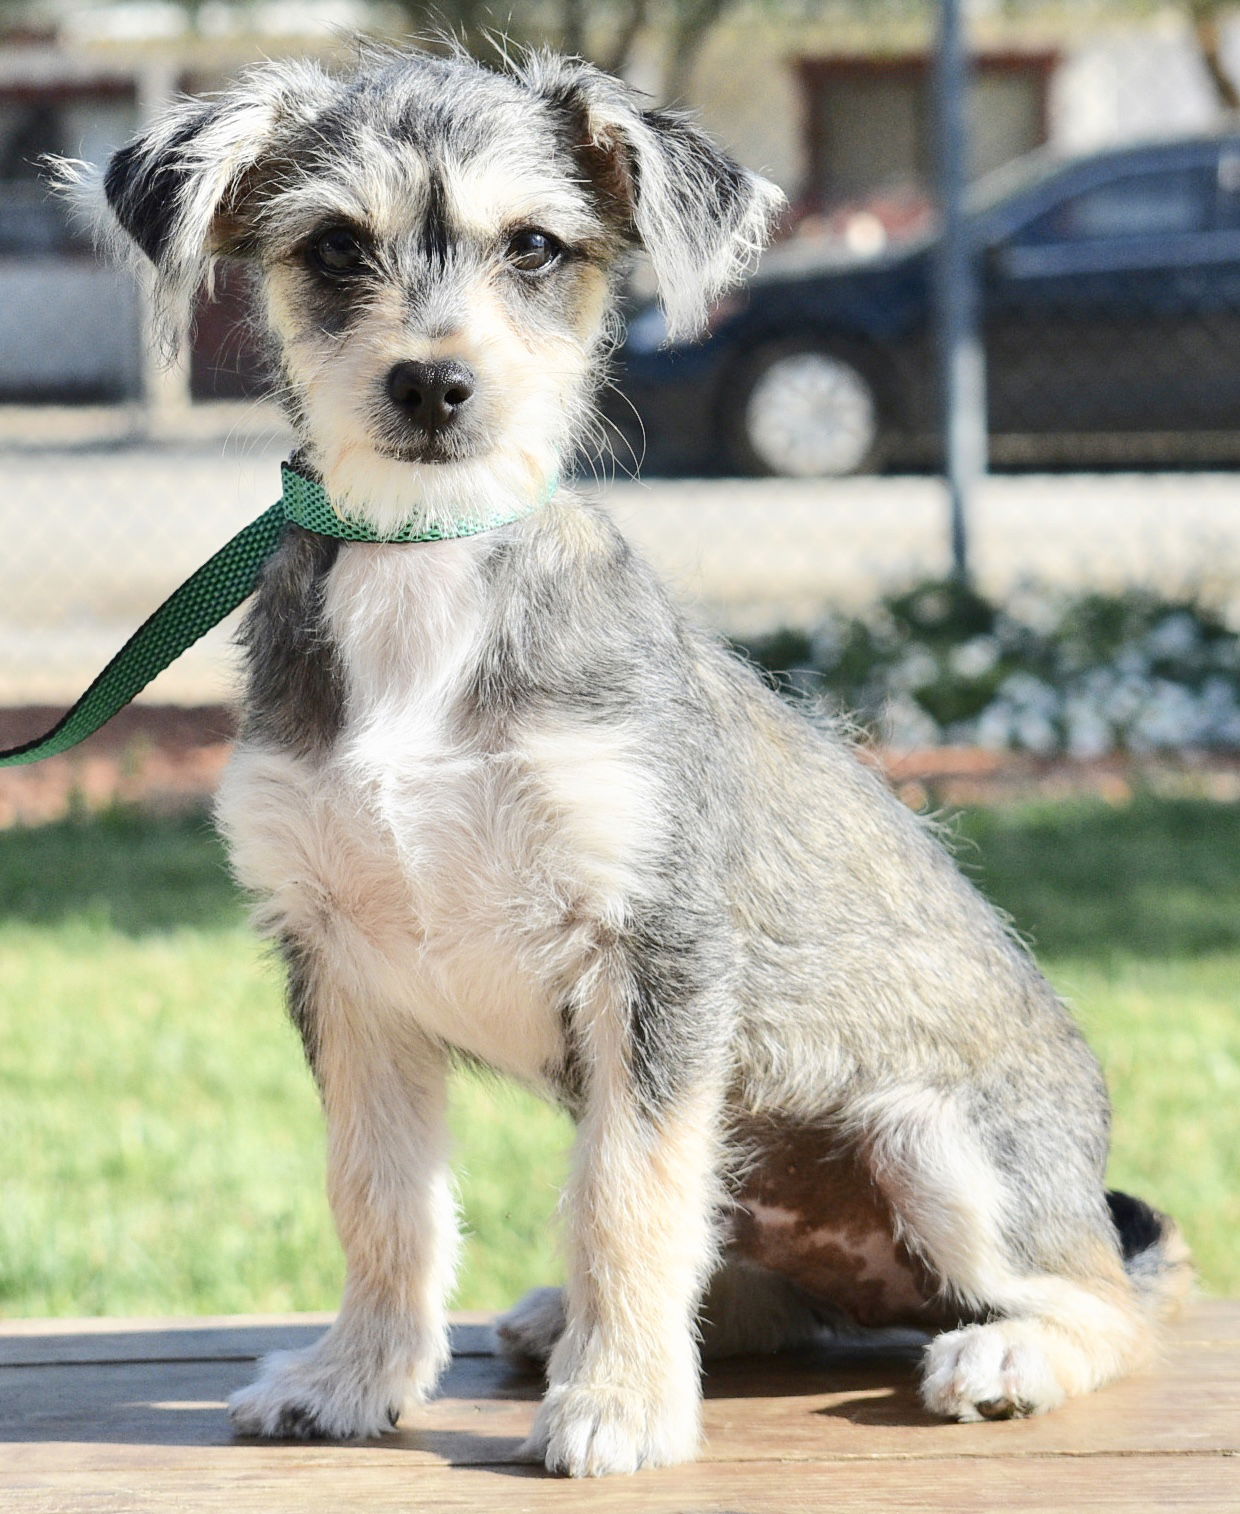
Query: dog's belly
810	1211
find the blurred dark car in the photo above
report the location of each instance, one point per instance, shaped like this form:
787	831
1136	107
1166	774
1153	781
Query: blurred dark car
1111	298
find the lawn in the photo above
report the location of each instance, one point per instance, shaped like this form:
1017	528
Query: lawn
160	1143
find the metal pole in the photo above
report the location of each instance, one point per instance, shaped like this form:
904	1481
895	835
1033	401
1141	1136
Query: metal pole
166	399
962	362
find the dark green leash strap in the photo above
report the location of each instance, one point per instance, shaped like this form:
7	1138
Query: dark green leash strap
201	602
219	586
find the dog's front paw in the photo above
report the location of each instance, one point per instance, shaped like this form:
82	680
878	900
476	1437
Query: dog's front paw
599	1430
1002	1370
530	1329
306	1395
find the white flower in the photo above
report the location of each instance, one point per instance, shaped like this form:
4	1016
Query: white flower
1176	635
975	657
1035	733
1028	709
906	724
931	605
1122	698
1168	718
1027	692
1133	661
1088	734
1030	605
994	727
915	669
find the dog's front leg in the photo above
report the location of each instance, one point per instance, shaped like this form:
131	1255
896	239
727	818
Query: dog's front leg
383	1086
623	1381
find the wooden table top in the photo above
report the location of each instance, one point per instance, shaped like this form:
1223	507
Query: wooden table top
125	1416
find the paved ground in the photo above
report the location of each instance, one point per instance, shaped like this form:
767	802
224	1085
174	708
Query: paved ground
95	536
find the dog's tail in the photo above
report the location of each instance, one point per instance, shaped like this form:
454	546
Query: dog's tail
1156	1255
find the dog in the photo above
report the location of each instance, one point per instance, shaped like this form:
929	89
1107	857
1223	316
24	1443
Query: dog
498	800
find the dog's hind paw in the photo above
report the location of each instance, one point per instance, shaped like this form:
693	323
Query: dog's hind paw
298	1396
600	1431
997	1371
529	1331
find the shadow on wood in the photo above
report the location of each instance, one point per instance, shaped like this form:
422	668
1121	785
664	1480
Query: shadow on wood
119	1416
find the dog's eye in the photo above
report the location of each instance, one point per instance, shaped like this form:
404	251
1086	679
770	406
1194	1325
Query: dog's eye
532	251
338	251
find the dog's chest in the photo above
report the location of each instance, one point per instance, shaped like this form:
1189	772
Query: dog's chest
460	881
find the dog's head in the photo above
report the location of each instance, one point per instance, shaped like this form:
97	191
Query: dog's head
436	243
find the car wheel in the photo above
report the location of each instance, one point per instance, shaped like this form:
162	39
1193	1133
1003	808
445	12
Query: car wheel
804	412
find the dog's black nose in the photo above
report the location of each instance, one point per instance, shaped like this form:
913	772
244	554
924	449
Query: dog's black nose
431	395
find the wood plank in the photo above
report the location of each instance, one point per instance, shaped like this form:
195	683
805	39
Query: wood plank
1116	1485
129	1415
148	1415
40	1342
241	1337
813	1405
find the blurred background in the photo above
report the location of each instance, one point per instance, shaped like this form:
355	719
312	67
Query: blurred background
960	457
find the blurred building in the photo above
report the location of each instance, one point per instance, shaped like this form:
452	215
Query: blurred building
71	324
840	121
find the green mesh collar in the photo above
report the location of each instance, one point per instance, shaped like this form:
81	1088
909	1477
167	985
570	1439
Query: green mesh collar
306	503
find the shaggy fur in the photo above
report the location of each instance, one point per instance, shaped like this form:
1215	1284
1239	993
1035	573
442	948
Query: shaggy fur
497	798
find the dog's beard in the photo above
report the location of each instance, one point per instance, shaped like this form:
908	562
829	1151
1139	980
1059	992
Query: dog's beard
500	461
430	451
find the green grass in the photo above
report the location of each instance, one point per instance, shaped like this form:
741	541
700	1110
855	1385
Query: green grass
1155	878
160	1142
161	1149
1134	911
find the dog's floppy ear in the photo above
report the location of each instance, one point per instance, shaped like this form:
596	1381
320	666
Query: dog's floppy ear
179	190
701	217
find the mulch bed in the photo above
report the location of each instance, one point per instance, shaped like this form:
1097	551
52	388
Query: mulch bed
169	757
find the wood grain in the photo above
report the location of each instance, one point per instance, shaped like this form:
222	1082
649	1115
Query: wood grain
129	1415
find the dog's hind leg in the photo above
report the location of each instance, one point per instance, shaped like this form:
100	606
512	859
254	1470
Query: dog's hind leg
745	1309
527	1333
749	1309
383	1091
1019	1232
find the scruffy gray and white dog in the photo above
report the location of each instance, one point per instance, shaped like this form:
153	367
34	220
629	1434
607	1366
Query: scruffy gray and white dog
499	800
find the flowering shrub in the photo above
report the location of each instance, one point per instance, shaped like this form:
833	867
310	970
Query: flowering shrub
1076	673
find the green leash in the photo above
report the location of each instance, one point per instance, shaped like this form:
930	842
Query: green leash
213	592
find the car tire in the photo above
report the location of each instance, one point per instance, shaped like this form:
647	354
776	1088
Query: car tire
803	409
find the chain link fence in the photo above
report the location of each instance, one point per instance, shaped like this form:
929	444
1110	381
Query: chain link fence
1109	273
